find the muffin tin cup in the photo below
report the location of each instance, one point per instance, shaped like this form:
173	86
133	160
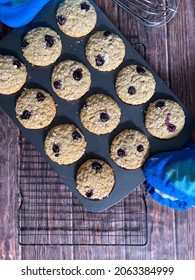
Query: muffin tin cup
68	112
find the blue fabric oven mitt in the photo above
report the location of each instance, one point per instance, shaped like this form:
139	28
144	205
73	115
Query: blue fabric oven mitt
171	177
16	13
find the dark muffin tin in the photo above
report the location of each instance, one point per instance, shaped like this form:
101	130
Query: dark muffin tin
68	112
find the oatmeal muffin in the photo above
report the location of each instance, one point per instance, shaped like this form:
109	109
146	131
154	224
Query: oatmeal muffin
164	119
129	149
105	50
35	108
70	80
76	18
95	179
13	74
41	46
100	114
65	144
135	84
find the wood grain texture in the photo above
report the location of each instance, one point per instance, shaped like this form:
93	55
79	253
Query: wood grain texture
9	200
170	52
181	58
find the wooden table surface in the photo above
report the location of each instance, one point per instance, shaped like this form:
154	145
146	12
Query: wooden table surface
171	53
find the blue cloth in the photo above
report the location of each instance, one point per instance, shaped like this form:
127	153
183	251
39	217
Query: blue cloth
171	177
16	13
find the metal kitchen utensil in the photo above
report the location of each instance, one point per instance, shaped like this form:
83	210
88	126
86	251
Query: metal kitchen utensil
150	12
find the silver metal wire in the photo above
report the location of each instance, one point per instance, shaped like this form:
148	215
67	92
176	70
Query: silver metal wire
150	12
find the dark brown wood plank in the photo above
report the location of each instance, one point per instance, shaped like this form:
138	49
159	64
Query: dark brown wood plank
182	72
9	199
185	235
181	46
110	9
47	252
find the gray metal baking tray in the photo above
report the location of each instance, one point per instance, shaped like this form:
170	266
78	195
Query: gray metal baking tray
68	112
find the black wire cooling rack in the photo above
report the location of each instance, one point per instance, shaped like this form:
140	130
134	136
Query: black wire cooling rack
49	213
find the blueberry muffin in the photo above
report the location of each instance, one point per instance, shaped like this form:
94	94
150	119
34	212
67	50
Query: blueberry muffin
76	18
95	179
164	119
35	108
70	80
41	46
65	144
100	114
13	74
135	84
129	149
105	50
